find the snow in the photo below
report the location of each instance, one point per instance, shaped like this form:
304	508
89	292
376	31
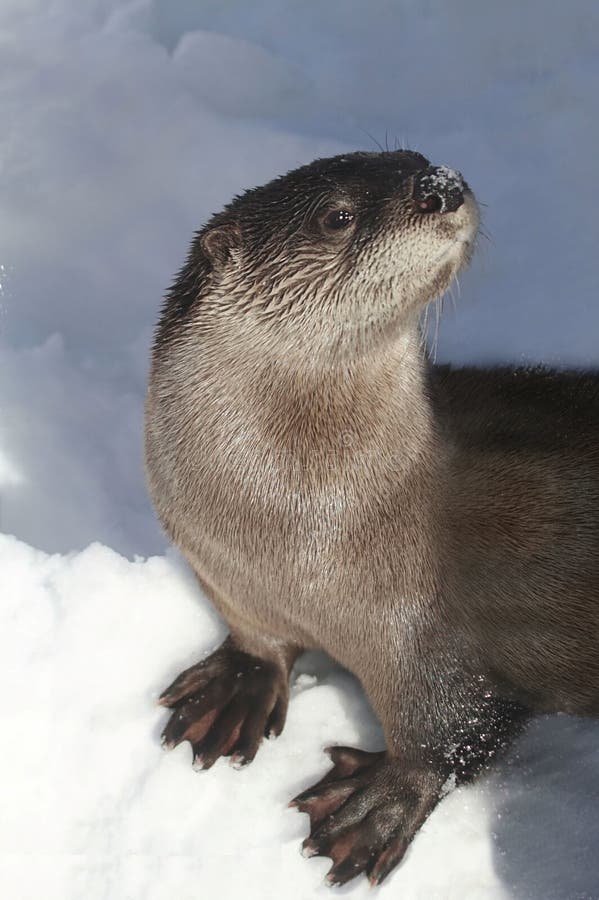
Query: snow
124	126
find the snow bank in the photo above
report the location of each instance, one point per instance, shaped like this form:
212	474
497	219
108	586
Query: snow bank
93	807
124	125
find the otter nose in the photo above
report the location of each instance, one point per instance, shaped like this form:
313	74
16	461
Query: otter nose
438	189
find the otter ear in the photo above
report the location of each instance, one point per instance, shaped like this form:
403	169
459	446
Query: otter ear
219	242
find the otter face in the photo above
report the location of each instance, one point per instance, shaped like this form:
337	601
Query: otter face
350	245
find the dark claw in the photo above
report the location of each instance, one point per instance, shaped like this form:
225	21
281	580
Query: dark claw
378	870
250	737
221	735
349	867
276	720
309	848
319	804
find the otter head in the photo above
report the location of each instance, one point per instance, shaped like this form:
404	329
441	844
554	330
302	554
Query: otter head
333	256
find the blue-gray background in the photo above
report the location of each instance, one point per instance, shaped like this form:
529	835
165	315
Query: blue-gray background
125	124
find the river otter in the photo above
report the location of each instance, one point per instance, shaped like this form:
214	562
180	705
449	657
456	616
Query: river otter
436	532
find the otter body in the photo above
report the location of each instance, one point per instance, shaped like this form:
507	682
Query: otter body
435	531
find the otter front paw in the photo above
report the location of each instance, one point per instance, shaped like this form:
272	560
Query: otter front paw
225	705
365	811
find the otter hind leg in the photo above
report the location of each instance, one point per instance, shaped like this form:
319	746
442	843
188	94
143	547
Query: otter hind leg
364	812
367	809
227	703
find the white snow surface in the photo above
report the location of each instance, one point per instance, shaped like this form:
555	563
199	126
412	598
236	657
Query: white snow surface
124	126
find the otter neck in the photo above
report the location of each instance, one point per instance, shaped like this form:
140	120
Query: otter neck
371	408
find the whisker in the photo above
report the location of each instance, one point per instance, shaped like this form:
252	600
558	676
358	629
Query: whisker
437	319
456	281
425	324
373	139
451	295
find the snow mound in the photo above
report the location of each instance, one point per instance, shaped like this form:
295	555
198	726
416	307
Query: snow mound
93	807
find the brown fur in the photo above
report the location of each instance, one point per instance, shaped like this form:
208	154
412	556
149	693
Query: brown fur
434	531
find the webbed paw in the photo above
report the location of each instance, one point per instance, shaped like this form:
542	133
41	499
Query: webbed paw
365	811
225	705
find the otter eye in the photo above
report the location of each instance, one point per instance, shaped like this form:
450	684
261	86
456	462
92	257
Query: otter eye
337	219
